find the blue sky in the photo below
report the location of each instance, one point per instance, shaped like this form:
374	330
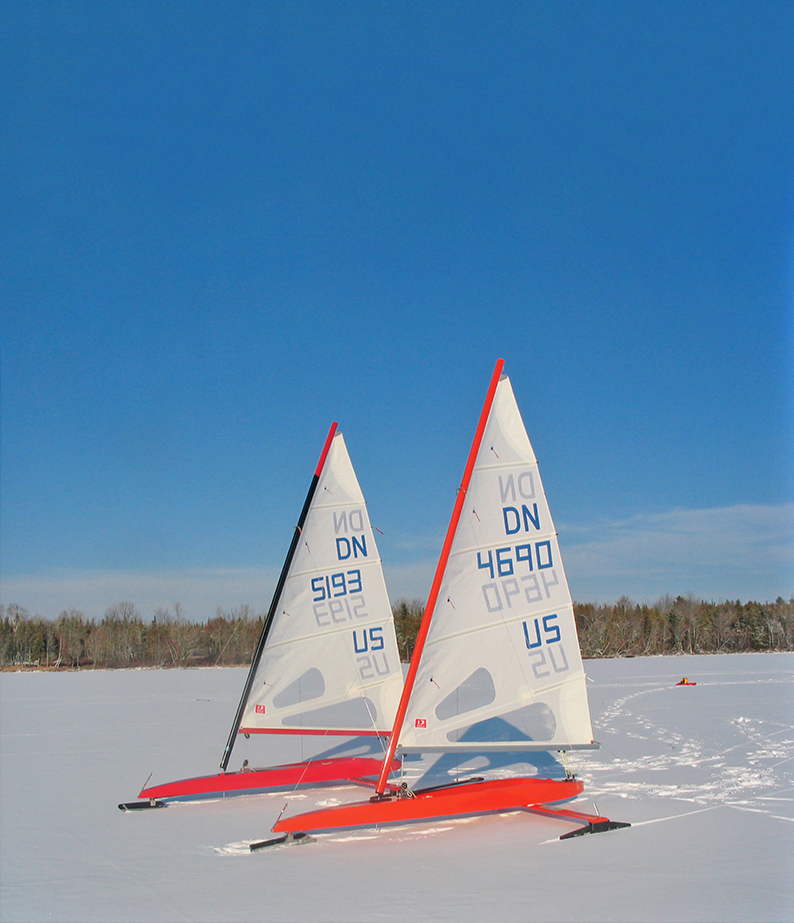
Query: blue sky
225	225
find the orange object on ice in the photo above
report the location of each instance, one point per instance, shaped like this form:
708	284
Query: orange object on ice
686	682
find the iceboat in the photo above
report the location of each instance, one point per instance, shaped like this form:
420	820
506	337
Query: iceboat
326	662
496	665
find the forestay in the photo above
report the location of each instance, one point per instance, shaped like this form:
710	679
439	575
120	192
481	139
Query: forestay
330	665
501	667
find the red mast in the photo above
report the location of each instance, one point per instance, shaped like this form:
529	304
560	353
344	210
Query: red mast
434	589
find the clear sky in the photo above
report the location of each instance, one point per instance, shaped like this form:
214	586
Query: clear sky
225	225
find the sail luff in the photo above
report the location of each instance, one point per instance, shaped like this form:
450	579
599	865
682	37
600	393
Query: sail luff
276	597
439	576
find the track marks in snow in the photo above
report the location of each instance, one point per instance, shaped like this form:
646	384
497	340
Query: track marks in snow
708	755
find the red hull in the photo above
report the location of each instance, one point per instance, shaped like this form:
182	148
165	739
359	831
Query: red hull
453	801
347	769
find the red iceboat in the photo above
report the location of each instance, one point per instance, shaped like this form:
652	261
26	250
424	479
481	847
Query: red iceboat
326	662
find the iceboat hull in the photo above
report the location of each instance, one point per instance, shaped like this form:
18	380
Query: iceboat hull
493	795
340	769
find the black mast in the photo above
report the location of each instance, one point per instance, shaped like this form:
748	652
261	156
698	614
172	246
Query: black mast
275	601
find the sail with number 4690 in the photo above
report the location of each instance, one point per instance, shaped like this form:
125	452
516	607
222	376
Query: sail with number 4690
501	667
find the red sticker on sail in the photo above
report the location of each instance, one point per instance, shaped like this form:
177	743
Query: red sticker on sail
260	709
420	723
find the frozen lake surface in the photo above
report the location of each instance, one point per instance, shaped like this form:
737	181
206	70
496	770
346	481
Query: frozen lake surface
705	775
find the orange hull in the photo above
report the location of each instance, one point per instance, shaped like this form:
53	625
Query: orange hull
340	769
451	801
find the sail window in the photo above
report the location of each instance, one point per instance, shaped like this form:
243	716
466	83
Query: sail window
309	685
476	691
355	714
532	722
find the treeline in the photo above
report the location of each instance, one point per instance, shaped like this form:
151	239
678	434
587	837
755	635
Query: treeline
684	625
123	639
681	625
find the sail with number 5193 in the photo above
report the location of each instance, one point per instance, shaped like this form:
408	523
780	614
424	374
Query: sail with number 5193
326	662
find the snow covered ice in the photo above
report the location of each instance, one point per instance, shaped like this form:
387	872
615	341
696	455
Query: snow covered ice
705	775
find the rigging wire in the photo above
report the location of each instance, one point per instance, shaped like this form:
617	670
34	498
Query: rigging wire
238	622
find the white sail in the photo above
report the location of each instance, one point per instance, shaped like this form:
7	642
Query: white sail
501	667
330	664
